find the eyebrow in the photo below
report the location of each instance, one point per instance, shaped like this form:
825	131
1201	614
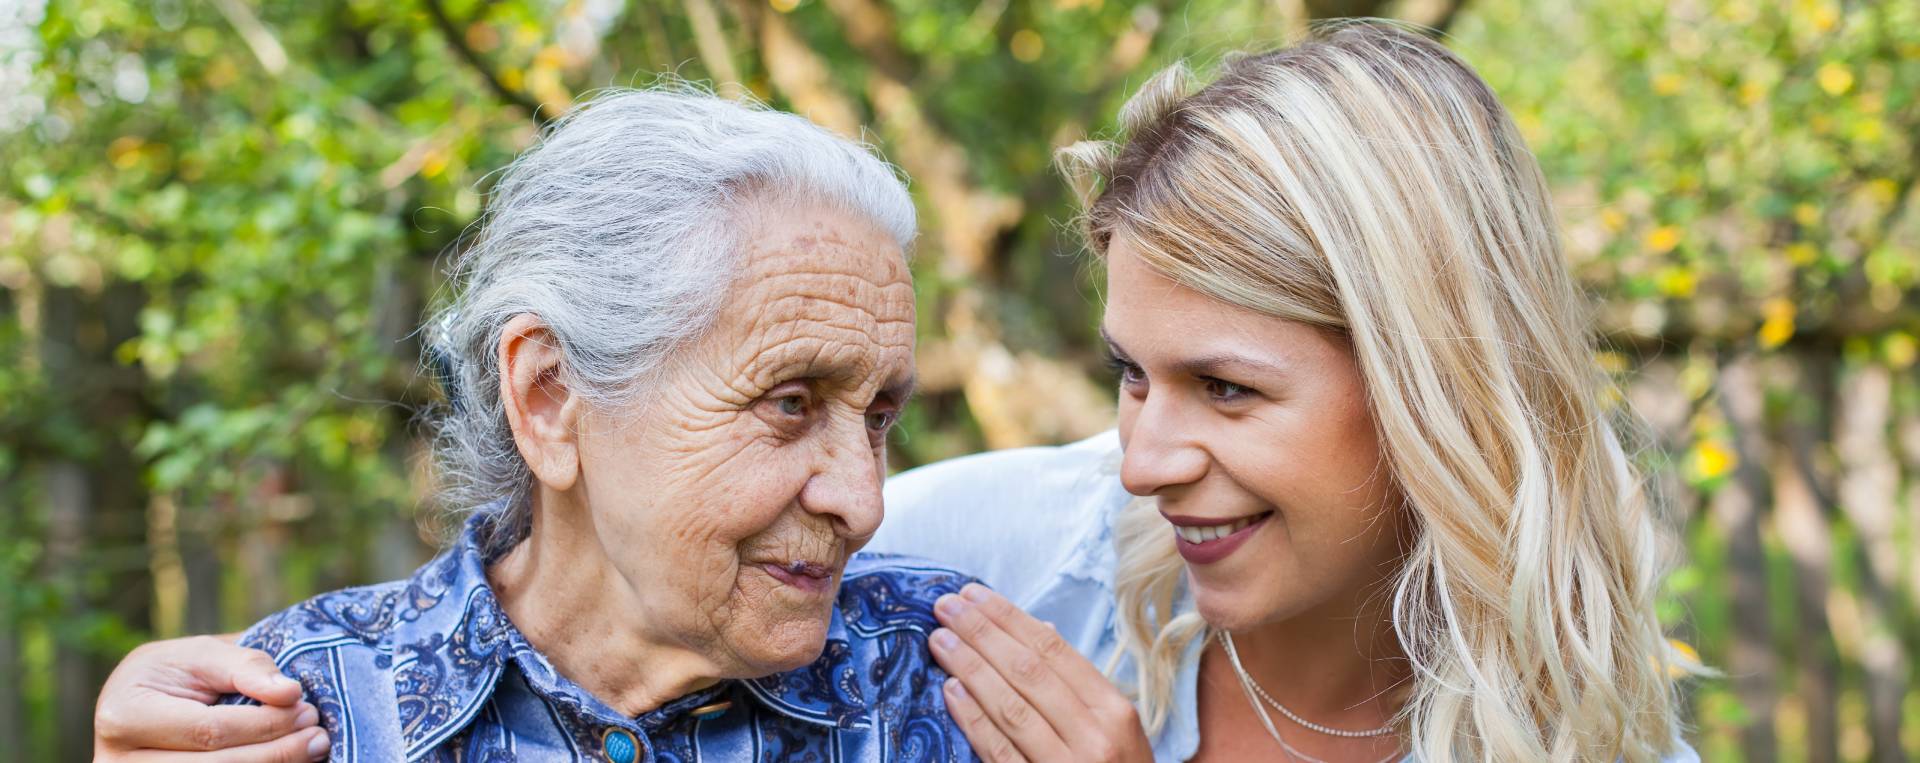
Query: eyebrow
903	390
1206	365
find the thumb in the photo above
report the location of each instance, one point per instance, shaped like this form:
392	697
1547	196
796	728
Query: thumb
255	675
219	667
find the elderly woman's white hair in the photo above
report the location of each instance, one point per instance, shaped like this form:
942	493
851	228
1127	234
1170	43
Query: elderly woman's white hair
620	230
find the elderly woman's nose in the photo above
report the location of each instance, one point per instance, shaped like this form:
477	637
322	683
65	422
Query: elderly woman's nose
1161	450
846	485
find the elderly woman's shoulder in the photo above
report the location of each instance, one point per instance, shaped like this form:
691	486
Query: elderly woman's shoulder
349	617
360	619
881	592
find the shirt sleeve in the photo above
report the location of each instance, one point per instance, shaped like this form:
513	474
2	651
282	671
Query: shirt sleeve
1012	518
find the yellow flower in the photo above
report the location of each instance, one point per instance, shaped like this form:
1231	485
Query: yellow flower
1778	326
1901	350
1802	253
1027	45
434	163
125	150
1667	84
1663	239
1835	79
784	6
1806	214
1825	18
1711	459
1883	190
1677	281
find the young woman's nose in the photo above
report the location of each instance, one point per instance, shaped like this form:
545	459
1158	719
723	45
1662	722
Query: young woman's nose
1161	452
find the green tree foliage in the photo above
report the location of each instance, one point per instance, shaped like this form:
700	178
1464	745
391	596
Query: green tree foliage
221	221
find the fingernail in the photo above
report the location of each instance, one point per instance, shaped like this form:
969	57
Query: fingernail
950	605
309	715
317	747
285	682
945	639
958	689
975	591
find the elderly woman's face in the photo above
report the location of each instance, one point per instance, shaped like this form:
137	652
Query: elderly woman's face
732	498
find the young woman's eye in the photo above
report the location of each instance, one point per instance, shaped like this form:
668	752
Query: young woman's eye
1226	390
1129	372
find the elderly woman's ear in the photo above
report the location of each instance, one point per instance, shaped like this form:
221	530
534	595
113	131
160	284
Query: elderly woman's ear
542	411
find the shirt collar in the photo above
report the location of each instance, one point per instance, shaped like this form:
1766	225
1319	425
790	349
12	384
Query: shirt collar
452	642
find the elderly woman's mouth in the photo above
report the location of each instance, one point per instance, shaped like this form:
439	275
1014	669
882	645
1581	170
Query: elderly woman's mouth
809	577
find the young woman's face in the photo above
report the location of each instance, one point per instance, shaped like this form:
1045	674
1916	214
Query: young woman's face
1254	434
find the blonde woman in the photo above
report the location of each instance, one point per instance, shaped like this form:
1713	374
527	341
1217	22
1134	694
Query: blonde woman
1364	502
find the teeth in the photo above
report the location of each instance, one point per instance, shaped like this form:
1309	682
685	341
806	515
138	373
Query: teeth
1213	532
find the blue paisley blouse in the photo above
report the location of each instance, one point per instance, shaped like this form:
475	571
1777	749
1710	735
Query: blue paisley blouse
429	668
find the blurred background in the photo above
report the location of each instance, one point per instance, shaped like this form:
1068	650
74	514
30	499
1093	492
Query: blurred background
220	221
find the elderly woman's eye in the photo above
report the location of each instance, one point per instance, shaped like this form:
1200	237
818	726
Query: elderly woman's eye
792	405
881	421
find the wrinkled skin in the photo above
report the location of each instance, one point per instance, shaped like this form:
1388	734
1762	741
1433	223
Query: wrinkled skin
649	572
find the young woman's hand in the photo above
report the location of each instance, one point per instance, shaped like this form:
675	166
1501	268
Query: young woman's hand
1021	693
158	707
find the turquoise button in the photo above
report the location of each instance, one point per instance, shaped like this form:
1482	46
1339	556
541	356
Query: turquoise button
620	745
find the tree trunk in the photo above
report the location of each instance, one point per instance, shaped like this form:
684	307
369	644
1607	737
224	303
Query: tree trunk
1801	518
1869	482
68	502
1736	512
12	701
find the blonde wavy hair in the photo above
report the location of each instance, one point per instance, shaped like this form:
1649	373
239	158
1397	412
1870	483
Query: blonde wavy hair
1367	181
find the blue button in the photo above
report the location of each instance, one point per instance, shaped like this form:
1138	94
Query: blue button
619	745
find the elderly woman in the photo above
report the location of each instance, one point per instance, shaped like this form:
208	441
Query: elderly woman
683	333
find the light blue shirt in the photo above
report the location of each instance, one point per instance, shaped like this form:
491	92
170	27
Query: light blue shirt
1036	524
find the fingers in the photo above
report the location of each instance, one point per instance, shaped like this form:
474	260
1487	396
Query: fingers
1015	717
1031	673
230	669
1092	717
159	697
1075	669
162	722
988	743
308	745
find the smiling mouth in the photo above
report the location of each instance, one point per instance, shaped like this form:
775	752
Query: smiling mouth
1193	530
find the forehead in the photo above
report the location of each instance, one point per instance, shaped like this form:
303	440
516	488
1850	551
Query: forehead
821	288
1138	294
1150	314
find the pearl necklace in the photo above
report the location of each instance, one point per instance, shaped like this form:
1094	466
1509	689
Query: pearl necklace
1255	694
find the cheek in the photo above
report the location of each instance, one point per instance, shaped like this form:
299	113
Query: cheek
688	493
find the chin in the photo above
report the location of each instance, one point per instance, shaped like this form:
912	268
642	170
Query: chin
780	647
1237	606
